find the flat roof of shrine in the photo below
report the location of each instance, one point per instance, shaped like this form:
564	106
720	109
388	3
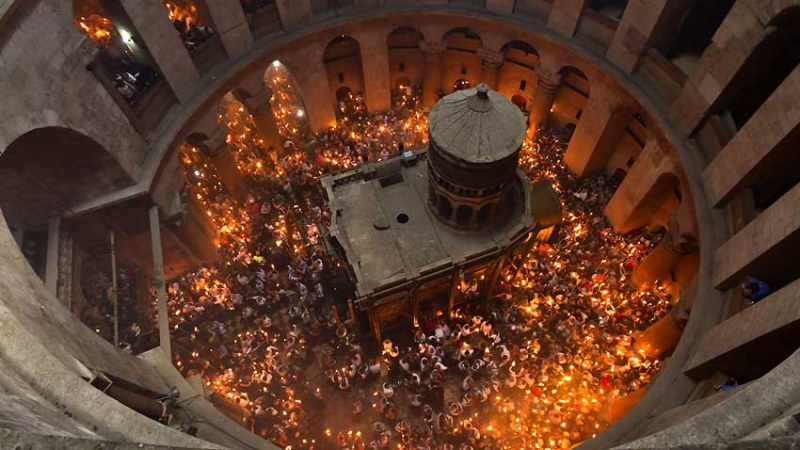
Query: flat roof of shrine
386	231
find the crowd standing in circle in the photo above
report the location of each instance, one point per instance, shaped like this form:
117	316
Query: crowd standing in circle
532	367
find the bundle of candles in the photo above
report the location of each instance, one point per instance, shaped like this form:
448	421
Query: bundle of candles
97	28
534	367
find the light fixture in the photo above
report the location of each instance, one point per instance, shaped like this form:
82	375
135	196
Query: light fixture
276	63
126	36
300	113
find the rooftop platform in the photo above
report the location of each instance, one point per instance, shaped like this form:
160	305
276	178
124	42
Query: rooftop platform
383	225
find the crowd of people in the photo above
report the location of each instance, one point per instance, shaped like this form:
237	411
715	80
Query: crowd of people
268	326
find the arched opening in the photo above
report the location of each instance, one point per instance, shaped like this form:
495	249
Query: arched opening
571	96
613	9
403	85
46	173
445	208
287	101
196	29
460	59
406	65
518	73
262	16
485	214
697	27
342	59
48	170
630	145
520	101
122	65
463	215
461	84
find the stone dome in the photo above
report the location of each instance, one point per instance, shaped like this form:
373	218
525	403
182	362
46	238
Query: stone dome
477	125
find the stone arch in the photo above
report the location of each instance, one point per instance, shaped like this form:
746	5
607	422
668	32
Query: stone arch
518	74
460	58
520	101
485	214
406	60
292	97
571	97
613	9
47	171
444	207
463	215
461	84
343	64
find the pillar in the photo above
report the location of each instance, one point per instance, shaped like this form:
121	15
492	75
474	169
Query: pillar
161	288
564	16
739	34
51	267
294	13
432	82
491	62
660	338
216	148
152	24
616	407
65	269
198	231
599	130
665	257
313	82
753	341
231	25
646	187
375	68
644	24
259	107
766	244
543	99
754	148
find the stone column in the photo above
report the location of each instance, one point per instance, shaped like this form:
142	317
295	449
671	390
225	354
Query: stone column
51	266
161	288
755	151
216	148
313	81
771	235
294	13
151	22
598	132
491	62
659	338
231	25
564	16
659	263
259	107
198	231
644	190
432	83
643	25
65	269
543	99
375	69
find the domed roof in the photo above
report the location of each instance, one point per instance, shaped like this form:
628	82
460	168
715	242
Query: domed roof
477	125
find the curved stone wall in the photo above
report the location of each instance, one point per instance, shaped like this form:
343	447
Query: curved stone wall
618	79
